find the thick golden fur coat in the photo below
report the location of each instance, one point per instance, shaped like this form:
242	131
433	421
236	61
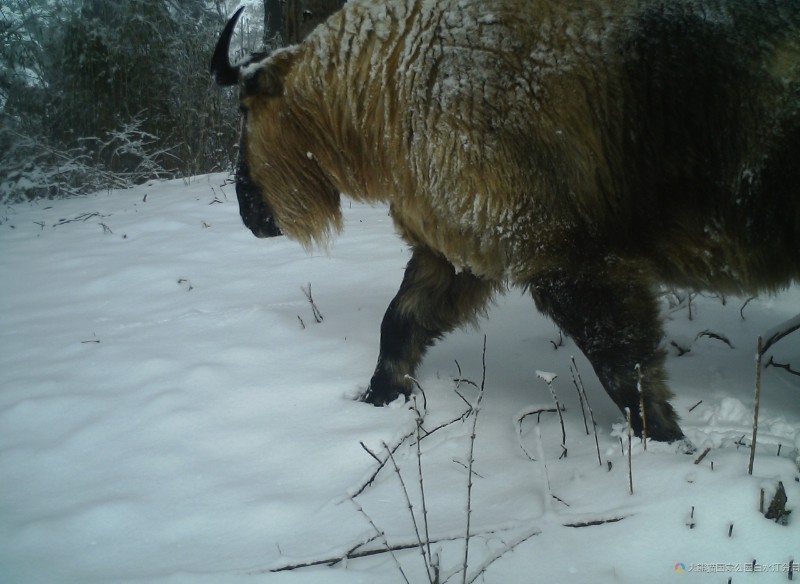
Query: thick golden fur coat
504	132
586	150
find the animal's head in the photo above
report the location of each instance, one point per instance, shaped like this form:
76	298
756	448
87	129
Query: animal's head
280	184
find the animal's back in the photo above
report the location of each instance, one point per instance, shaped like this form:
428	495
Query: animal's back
669	130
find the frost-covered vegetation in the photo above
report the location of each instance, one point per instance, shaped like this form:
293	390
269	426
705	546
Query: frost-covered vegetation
101	94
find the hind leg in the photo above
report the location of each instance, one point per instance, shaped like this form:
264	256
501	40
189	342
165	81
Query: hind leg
610	311
433	300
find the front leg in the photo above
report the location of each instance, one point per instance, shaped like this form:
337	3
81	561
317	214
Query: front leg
433	300
609	309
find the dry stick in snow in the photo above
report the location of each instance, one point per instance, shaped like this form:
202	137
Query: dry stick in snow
317	314
355	553
785	366
630	459
576	378
641	404
497	555
382	463
548	378
411	512
716	336
538	413
703	455
759	355
548	492
573	372
434	565
382	535
776	334
471	460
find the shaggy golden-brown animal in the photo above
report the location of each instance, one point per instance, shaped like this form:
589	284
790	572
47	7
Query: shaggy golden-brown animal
586	150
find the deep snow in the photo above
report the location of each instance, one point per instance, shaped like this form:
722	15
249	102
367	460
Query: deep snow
165	417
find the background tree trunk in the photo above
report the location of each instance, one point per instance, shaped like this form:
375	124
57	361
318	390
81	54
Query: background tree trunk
300	17
273	23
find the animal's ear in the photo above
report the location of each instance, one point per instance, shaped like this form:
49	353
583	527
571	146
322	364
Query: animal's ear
267	78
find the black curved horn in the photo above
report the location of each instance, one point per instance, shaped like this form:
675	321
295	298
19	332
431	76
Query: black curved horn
221	68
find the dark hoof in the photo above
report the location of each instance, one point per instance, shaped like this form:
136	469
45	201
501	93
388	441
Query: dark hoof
380	398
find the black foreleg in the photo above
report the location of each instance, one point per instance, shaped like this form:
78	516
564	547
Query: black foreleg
433	300
609	310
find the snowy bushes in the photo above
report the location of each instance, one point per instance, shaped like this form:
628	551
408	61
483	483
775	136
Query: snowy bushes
33	168
104	94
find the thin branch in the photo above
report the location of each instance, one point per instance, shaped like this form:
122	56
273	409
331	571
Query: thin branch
630	459
421	546
355	553
382	535
471	460
418	421
785	366
499	554
314	310
716	336
548	378
641	404
577	375
746	302
780	332
759	355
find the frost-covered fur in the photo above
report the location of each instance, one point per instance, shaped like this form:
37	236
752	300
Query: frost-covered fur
586	150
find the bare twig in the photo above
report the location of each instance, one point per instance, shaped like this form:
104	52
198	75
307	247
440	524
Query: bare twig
560	342
315	311
499	554
433	566
382	535
785	366
630	459
82	217
471	460
372	454
759	355
582	390
641	404
422	547
548	378
594	522
695	405
580	396
746	302
780	332
681	350
381	463
355	552
716	336
702	456
521	417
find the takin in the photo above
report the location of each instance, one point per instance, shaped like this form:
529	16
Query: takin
588	151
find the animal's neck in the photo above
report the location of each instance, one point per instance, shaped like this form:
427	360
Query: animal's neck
346	85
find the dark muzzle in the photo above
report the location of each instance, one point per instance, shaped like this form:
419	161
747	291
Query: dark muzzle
256	214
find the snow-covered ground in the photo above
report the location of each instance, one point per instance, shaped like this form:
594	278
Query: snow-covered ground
166	417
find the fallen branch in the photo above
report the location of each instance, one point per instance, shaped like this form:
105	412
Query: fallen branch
595	522
784	329
702	456
355	553
785	366
716	336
